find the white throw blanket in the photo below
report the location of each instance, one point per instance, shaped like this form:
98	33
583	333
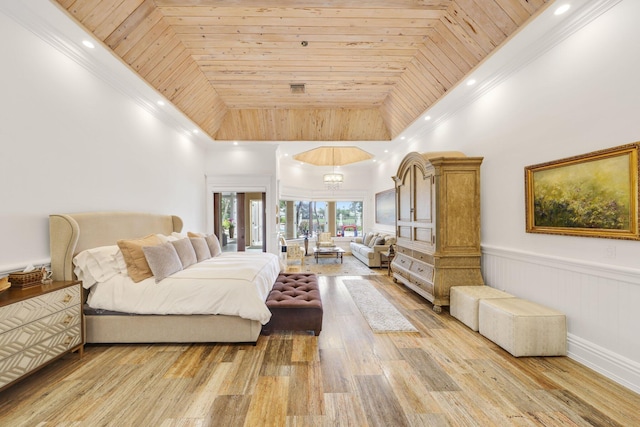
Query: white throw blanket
234	284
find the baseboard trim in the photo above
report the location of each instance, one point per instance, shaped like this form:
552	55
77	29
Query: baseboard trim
624	371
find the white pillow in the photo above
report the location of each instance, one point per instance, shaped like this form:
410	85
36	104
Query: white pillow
96	265
171	238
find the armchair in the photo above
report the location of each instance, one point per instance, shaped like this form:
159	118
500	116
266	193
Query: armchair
294	252
325	240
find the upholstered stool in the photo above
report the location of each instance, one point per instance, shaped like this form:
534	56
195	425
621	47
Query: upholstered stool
295	304
464	301
522	327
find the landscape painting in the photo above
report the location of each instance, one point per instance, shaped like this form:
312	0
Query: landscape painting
594	194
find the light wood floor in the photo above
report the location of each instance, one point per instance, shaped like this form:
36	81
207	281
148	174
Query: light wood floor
348	376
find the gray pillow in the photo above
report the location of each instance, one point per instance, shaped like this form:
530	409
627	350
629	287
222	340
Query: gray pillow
201	248
185	250
214	245
378	241
162	259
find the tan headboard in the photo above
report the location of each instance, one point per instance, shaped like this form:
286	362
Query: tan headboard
71	234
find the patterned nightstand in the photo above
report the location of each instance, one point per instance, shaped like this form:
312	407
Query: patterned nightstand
37	325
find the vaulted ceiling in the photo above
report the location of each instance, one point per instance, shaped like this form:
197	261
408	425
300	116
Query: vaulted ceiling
310	70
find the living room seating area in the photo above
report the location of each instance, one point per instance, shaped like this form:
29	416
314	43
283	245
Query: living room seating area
368	248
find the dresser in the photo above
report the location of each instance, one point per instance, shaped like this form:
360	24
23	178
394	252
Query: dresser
437	224
38	325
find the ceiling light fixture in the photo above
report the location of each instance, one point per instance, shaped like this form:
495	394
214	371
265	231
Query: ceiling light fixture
333	181
471	82
88	44
562	9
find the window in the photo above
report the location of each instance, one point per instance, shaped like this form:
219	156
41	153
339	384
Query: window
299	218
348	219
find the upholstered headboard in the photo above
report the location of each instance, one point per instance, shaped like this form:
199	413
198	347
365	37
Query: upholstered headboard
71	234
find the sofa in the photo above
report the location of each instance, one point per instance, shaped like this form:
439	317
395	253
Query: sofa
369	247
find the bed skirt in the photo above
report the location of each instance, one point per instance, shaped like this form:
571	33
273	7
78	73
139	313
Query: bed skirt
170	329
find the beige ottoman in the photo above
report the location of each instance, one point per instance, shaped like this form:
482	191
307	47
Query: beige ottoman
463	302
522	327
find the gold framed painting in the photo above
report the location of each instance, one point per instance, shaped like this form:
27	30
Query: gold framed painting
594	195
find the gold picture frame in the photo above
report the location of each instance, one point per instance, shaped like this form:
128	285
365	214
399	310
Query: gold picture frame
593	195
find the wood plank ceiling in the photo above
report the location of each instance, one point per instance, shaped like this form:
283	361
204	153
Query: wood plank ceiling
364	70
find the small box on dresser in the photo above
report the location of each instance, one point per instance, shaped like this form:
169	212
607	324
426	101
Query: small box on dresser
38	325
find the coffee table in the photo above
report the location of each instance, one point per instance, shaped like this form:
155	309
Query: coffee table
318	252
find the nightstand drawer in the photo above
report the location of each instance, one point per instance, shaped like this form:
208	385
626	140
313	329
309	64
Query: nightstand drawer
21	338
23	362
23	312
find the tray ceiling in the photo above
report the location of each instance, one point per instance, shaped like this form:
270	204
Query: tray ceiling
309	70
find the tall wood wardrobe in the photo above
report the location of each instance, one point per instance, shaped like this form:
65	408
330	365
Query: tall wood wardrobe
437	224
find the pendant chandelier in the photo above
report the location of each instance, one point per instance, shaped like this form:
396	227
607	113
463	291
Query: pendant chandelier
332	181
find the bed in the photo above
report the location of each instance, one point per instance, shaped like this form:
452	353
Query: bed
72	234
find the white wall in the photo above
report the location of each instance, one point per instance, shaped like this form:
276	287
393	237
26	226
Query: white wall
71	143
579	97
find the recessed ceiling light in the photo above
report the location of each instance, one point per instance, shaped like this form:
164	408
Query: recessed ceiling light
196	131
562	9
88	44
386	151
161	103
402	137
235	142
427	118
471	82
286	154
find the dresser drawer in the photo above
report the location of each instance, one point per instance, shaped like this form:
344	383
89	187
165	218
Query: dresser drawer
23	312
401	265
25	361
18	339
422	270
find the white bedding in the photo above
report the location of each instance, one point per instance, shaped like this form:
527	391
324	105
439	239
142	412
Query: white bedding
235	284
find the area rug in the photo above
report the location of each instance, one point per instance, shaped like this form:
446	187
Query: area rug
381	315
350	266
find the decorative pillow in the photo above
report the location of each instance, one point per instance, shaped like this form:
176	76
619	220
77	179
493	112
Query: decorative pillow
214	245
185	251
379	240
372	242
389	240
194	234
163	260
367	238
201	248
137	265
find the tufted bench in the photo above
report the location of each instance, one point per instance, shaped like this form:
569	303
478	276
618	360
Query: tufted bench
295	304
522	327
464	302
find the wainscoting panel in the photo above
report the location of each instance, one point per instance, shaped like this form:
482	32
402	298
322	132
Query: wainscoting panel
602	304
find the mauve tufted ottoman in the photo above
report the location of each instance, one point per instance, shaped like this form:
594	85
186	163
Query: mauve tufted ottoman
295	304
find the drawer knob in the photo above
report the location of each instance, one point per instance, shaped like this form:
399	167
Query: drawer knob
68	340
67	298
68	319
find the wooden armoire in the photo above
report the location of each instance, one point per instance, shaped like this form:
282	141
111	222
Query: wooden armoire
437	224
